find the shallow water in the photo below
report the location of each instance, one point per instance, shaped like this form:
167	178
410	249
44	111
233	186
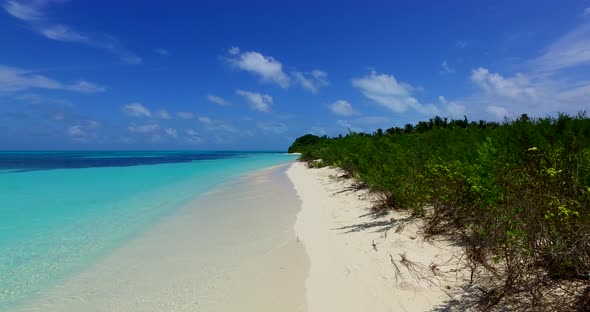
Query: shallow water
59	217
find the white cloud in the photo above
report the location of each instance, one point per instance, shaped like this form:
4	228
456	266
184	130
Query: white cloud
313	82
273	127
171	132
193	137
83	130
320	75
218	126
497	111
164	114
546	85
266	67
93	124
147	128
62	33
257	101
270	70
586	11
76	131
35	13
127	56
22	11
446	69
342	108
217	100
161	51
233	51
85	87
205	120
579	93
386	91
306	83
137	110
15	79
452	108
319	131
494	83
186	115
191	132
511	96
346	124
461	44
572	49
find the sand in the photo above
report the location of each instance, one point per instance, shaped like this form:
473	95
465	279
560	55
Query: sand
232	249
351	253
266	242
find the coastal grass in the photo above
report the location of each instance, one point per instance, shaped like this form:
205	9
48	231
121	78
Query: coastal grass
515	194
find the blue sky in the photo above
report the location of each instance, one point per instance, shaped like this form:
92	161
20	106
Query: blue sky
256	75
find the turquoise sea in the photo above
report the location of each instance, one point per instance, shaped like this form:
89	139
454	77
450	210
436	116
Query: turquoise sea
61	211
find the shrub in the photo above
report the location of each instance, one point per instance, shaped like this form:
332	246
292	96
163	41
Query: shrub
517	193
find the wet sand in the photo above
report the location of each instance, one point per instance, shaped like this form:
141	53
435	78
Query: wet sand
231	249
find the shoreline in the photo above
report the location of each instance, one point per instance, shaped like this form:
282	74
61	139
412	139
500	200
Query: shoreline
322	251
356	260
221	245
73	209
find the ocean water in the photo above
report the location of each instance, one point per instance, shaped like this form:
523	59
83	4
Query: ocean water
61	211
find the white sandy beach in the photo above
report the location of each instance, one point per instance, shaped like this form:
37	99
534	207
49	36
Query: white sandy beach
348	273
269	243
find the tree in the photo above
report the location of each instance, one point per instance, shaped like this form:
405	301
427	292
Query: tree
409	128
301	143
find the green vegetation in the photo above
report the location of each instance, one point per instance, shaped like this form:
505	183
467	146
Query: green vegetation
516	194
305	143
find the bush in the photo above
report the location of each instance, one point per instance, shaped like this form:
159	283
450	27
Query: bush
517	193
